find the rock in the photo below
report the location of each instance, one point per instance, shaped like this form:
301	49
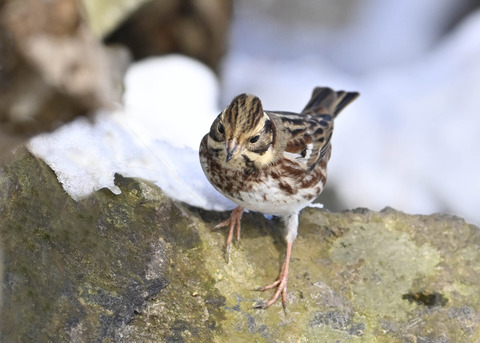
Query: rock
104	16
198	29
53	68
139	267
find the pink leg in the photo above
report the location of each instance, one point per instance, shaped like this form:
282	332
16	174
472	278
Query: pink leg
232	222
281	282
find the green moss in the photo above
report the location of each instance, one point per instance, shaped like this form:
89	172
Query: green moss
138	267
386	263
83	269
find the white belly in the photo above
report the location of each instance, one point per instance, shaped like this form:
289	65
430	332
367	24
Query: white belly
268	198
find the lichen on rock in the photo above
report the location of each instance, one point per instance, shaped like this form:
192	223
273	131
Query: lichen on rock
139	267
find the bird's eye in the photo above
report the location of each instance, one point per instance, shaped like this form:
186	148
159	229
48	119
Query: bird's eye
220	128
255	139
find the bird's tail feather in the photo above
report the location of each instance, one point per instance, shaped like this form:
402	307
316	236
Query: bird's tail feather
327	101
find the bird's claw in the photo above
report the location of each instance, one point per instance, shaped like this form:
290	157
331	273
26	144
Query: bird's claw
260	306
227	253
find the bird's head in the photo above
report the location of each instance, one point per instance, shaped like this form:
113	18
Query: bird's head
244	129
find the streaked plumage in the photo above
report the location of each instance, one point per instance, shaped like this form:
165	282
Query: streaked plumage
271	162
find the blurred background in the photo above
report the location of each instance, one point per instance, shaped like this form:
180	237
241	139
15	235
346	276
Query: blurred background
410	141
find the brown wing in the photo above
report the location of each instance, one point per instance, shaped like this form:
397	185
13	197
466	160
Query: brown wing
309	137
311	131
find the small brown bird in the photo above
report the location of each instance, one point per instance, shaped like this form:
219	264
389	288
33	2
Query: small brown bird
271	162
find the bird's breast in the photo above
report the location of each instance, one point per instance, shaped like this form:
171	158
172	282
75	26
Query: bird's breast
282	188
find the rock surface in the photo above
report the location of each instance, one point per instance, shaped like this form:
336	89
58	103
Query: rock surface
104	16
198	29
138	267
52	68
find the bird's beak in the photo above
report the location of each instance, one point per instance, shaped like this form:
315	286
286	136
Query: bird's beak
232	149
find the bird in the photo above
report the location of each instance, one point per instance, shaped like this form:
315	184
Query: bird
273	162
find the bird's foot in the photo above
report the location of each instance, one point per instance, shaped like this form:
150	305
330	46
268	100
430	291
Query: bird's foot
233	222
280	283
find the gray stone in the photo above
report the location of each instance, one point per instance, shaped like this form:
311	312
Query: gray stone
139	267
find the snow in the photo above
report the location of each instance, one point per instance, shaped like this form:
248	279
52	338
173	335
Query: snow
169	106
408	142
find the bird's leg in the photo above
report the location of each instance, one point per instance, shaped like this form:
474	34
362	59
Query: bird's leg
232	222
281	282
291	223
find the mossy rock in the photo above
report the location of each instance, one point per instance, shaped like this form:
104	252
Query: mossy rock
139	267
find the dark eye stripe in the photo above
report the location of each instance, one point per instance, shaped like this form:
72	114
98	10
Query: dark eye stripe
261	150
215	137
